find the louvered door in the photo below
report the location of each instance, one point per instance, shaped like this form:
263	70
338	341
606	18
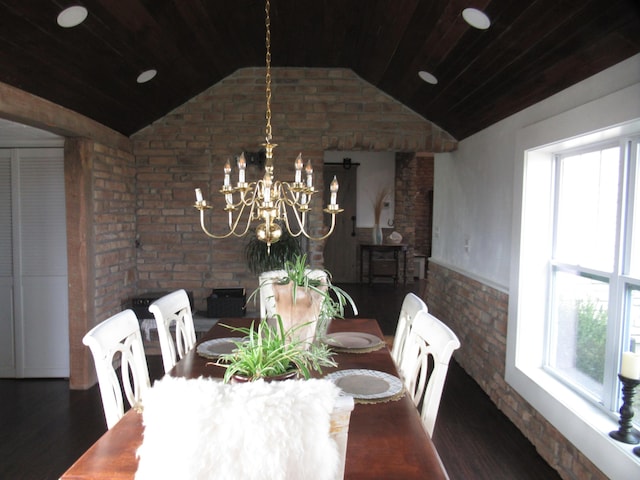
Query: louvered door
37	264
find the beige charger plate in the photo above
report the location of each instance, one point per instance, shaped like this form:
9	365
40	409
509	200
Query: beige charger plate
212	349
353	340
368	386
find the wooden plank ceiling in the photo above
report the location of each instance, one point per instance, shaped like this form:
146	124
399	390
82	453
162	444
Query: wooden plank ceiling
534	48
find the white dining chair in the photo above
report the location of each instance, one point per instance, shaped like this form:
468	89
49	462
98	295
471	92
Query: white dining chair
118	341
425	363
174	309
411	305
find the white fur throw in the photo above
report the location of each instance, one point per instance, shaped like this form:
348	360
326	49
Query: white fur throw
204	429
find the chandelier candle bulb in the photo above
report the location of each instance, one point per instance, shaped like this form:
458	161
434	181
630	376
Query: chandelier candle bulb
298	165
630	367
198	195
242	164
334	191
227	172
309	171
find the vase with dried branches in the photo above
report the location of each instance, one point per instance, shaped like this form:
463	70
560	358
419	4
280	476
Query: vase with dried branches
378	204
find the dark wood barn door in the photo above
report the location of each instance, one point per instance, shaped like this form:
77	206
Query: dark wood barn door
341	247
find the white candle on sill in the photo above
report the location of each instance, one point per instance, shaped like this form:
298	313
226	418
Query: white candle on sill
630	367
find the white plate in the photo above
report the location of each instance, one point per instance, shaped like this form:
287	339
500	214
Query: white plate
366	384
352	340
217	346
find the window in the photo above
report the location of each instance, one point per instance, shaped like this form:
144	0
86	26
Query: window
575	295
593	293
586	121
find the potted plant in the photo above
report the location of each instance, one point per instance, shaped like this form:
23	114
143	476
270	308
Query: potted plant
303	296
271	352
261	258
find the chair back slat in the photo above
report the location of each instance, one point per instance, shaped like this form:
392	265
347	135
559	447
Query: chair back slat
117	343
425	363
411	305
174	309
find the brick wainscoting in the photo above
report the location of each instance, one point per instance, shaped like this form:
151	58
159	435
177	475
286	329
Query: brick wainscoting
478	315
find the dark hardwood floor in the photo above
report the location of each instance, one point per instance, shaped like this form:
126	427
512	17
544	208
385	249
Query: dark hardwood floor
44	426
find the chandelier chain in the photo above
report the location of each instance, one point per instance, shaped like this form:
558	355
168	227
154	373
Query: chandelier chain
268	71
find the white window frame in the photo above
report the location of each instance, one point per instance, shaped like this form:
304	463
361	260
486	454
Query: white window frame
611	277
585	425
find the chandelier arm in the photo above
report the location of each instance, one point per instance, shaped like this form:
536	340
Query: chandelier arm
242	200
244	232
302	230
233	226
291	194
299	221
253	201
207	232
237	222
326	235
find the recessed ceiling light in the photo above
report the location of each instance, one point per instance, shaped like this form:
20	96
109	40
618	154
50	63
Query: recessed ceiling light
72	16
147	75
427	77
476	18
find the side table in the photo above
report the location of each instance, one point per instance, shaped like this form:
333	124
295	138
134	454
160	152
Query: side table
395	249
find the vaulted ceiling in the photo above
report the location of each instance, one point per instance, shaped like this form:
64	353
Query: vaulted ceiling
533	48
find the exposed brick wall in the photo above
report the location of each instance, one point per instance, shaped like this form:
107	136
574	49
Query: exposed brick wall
422	203
406	186
114	227
313	110
478	315
101	233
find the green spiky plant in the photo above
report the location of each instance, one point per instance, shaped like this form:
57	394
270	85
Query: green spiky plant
269	351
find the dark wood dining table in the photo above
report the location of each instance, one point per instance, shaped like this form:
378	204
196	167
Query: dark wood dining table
386	440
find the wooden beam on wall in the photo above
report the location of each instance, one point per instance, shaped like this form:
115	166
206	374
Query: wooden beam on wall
80	254
22	107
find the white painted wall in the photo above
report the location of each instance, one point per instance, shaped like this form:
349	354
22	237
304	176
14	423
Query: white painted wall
377	170
473	186
478	197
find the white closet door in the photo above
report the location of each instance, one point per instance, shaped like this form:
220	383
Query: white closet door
7	350
40	265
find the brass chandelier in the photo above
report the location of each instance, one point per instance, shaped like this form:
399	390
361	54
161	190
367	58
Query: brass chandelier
269	201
